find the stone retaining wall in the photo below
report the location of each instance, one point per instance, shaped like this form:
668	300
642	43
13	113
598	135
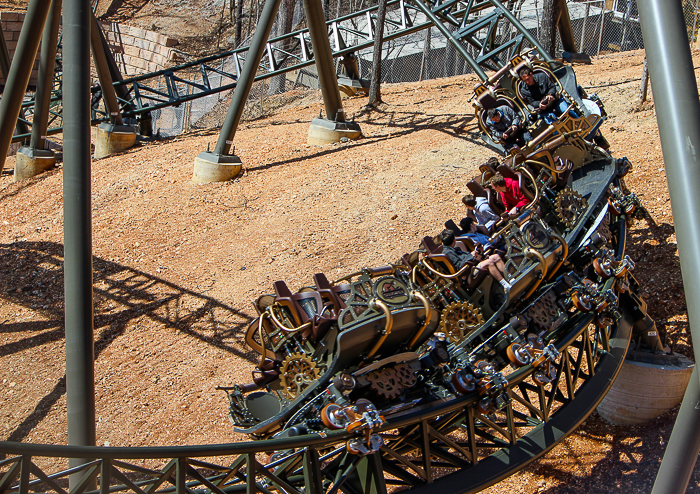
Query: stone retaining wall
11	23
136	50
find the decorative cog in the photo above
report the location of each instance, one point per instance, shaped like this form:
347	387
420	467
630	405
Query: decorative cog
405	375
459	319
385	383
298	371
570	206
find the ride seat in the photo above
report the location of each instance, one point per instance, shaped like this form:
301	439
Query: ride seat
462	244
472	277
487	171
465	243
503	101
305	307
485	96
430	246
336	294
494	201
477	189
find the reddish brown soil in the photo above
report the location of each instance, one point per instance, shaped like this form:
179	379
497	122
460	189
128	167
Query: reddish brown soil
177	264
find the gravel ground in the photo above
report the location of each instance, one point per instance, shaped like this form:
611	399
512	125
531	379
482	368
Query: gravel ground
176	265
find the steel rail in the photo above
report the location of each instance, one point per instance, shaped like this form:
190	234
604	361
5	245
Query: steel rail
141	98
540	439
580	323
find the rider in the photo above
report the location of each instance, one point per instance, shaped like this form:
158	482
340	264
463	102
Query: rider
458	258
513	198
540	92
485	216
504	125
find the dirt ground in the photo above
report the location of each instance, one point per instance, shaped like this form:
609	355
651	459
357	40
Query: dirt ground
176	265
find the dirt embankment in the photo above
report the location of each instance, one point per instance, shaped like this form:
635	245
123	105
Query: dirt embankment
176	265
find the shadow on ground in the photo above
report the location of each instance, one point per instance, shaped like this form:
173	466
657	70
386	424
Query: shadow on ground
32	276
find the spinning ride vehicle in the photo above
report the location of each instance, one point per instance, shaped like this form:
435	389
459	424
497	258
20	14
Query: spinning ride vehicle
418	352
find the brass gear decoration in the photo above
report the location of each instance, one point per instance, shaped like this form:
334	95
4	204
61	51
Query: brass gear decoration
298	371
570	206
405	375
385	383
459	319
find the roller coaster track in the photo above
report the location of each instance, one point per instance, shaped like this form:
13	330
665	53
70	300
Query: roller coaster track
447	445
477	26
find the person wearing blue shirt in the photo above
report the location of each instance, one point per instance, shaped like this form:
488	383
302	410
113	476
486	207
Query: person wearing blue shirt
469	230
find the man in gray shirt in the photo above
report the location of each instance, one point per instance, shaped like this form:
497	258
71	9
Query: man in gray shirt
505	126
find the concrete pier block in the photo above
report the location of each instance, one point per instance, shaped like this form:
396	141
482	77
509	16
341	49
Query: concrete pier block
323	131
210	167
643	391
31	162
112	139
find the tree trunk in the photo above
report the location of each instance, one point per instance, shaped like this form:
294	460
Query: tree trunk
645	83
239	23
549	26
425	61
326	5
375	97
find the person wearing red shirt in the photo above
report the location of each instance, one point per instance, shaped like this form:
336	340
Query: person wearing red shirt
513	198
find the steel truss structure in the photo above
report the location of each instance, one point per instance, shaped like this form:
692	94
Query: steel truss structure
471	26
451	446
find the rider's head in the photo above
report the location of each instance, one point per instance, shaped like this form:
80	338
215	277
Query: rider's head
448	237
526	76
469	201
498	182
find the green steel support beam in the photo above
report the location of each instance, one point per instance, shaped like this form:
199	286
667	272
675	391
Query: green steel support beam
323	55
240	94
4	56
104	74
678	116
47	62
451	38
122	91
528	36
20	72
566	30
5	68
80	386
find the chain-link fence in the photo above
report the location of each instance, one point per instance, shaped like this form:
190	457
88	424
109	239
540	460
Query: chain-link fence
600	27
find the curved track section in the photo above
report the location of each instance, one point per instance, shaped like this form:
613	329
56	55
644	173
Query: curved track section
451	446
460	404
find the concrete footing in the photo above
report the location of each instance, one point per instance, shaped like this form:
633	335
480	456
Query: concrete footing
112	139
643	391
31	162
322	131
351	87
210	167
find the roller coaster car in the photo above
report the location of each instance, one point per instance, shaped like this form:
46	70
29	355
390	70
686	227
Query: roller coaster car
583	118
387	342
